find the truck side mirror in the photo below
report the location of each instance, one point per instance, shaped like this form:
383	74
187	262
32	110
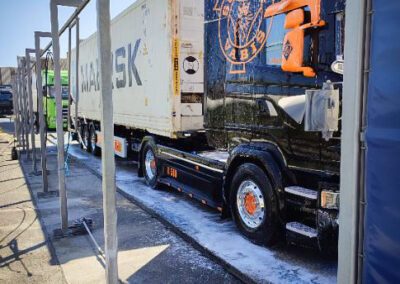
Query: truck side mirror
293	44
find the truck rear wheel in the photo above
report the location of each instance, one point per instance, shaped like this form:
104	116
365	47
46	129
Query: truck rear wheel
94	149
149	166
253	204
86	137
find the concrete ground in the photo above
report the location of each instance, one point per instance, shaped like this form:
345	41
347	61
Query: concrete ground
148	251
25	254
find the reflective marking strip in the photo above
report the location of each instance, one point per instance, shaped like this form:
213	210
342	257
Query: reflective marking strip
192	162
301	191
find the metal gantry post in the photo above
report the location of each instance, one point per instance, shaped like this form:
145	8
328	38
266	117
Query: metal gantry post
42	123
77	73
20	108
15	108
25	113
107	125
69	76
31	113
57	86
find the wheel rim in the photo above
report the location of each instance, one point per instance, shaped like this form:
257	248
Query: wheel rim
150	164
250	204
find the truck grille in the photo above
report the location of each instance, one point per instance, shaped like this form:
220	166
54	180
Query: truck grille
65	112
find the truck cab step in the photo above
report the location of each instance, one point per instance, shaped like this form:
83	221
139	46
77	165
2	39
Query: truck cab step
302	229
302	191
301	234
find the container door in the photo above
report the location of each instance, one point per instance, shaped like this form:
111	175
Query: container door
192	63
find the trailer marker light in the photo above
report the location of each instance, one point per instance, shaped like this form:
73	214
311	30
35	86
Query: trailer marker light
219	209
204	202
190	195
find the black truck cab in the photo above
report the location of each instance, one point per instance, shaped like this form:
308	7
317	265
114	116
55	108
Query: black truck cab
272	121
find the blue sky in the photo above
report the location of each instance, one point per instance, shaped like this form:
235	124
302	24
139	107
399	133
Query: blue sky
21	18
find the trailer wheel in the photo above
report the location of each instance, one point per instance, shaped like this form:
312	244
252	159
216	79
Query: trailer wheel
94	149
253	204
149	166
86	137
36	125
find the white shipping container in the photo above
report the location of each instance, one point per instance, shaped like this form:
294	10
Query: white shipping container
157	48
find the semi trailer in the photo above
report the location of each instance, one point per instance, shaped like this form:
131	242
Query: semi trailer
235	103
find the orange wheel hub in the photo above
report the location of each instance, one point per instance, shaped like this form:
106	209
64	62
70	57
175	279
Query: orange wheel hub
250	203
153	164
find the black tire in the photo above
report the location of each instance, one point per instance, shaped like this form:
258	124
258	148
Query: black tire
266	232
36	125
150	181
14	154
94	149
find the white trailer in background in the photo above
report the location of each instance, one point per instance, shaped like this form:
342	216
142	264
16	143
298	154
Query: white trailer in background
157	48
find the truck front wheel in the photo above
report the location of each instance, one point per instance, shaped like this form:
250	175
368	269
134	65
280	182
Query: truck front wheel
253	204
149	165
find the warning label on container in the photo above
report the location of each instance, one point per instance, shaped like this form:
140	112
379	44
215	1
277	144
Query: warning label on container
175	62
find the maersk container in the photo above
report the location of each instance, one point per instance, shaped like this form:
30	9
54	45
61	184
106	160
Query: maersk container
157	48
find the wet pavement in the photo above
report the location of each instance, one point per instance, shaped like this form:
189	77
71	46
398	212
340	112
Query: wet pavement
148	250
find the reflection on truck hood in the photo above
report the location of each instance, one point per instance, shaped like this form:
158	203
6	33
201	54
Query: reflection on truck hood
294	106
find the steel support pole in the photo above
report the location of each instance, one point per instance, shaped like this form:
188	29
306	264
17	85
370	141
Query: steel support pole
21	108
107	126
42	125
15	108
76	73
31	114
80	4
57	86
25	108
19	99
351	171
69	75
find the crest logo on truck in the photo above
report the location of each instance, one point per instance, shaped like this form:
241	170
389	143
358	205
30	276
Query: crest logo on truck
240	32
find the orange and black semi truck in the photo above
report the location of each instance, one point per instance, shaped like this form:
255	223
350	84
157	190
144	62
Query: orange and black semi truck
273	73
236	103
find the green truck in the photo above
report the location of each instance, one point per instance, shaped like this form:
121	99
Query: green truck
49	100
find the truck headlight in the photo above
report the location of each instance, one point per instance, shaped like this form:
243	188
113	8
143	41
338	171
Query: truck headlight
330	199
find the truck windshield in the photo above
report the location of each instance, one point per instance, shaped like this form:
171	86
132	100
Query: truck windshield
64	92
275	40
5	96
